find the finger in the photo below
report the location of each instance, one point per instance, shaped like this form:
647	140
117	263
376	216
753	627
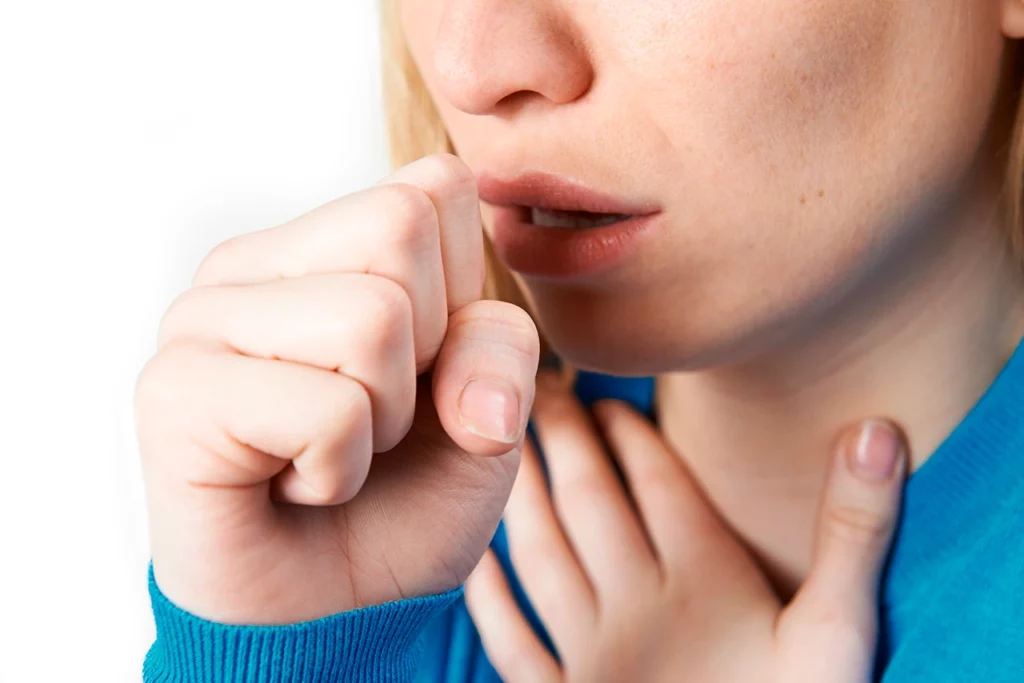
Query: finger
390	230
483	379
358	325
451	186
692	543
588	497
654	476
836	608
248	420
552	577
511	645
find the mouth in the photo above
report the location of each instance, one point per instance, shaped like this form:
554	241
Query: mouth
551	201
554	218
547	226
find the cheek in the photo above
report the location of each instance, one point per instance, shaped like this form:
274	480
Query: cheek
798	154
815	123
757	105
767	84
803	76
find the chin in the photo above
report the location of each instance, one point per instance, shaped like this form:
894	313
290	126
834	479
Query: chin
625	359
636	334
615	340
642	350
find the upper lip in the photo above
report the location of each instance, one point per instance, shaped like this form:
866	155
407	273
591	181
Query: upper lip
547	191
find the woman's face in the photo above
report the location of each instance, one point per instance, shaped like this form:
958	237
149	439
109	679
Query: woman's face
792	149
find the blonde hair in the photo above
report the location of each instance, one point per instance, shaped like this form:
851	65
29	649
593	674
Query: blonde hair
415	130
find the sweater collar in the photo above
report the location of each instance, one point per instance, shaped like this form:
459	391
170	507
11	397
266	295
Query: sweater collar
954	494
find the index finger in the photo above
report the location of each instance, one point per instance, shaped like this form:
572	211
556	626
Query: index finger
451	186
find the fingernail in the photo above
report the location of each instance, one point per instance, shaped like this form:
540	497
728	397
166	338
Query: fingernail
490	408
876	453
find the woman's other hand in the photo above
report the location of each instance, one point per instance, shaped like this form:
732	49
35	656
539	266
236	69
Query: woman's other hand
299	459
646	583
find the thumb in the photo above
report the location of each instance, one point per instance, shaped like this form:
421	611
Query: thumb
834	614
484	376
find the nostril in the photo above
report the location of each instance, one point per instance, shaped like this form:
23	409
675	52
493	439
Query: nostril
491	55
513	102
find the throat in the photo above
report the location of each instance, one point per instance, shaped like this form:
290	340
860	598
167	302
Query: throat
762	457
768	494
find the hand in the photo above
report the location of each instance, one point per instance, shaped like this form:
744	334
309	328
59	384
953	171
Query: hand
295	465
651	586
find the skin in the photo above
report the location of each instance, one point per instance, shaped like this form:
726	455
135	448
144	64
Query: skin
300	462
836	123
642	582
290	364
830	247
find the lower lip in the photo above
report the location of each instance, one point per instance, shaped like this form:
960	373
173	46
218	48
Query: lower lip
564	252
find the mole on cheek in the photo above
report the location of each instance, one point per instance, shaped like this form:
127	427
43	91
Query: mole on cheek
803	197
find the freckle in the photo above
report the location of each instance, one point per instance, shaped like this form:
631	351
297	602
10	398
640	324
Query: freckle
803	199
803	78
821	193
774	55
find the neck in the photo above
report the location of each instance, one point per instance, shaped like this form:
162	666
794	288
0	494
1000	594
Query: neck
920	350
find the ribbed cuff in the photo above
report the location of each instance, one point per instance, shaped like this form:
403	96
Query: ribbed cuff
371	644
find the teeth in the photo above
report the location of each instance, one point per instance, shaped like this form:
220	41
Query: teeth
573	219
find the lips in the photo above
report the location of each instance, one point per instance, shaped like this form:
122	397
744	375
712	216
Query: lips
545	225
554	193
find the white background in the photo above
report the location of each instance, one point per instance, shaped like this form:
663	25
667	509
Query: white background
134	136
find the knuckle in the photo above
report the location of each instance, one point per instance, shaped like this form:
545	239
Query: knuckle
216	263
455	176
162	382
660	486
534	563
498	321
518	319
677	594
346	406
172	324
389	312
322	492
854	524
582	492
344	420
340	410
517	662
409	214
150	386
833	625
510	660
337	489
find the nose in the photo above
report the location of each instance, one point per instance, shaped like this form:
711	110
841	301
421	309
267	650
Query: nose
489	53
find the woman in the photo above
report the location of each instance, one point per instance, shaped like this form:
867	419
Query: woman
779	217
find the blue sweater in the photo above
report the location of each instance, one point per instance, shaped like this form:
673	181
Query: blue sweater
952	605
